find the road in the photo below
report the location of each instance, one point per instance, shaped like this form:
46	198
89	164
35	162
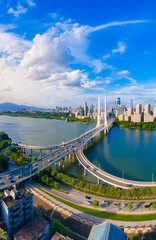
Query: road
76	145
78	197
20	174
94	218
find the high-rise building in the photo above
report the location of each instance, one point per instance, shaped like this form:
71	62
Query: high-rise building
119	110
131	103
16	208
138	108
130	111
81	111
154	113
85	109
117	102
148	108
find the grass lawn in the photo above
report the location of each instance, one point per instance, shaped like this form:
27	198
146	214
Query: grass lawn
102	214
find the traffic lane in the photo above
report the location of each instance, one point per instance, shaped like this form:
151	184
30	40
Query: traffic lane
25	174
98	174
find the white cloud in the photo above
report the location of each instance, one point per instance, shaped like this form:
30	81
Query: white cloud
19	10
113	24
48	66
31	3
120	49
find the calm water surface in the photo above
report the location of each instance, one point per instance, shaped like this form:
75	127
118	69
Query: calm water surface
123	152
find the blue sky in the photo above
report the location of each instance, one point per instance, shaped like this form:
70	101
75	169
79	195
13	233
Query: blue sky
64	52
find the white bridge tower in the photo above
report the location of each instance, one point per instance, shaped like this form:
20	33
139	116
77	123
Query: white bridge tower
98	117
106	124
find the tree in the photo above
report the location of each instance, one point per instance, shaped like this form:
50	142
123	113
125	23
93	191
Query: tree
8	151
141	207
153	206
54	173
56	185
81	184
95	203
66	231
118	205
34	159
130	206
107	205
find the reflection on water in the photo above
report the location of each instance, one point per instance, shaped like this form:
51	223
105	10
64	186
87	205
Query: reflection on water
130	150
127	149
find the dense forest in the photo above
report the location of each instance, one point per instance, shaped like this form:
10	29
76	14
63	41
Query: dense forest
19	157
5	141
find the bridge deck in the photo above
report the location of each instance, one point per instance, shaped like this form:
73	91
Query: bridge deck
76	145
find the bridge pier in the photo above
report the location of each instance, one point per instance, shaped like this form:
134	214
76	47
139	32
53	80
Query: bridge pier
50	150
31	151
63	162
99	181
40	153
73	155
85	172
70	156
24	150
55	166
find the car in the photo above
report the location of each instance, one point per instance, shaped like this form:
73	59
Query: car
115	204
126	204
1	182
147	206
35	164
58	155
89	202
87	197
18	176
104	201
34	169
26	167
12	180
49	160
9	177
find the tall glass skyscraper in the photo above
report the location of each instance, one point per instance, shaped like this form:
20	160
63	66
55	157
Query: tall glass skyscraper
117	102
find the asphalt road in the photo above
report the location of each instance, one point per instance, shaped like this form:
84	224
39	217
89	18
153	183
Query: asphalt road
20	174
97	219
82	199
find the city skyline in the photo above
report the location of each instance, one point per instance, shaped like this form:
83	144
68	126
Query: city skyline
51	55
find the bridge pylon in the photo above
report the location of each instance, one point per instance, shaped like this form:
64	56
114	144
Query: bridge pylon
106	123
98	117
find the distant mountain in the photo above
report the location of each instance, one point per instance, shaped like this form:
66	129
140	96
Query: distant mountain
14	107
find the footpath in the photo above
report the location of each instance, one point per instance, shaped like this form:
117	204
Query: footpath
93	219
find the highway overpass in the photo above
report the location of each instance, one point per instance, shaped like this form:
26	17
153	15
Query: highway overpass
22	173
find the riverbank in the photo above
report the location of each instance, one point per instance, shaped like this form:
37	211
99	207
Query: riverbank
53	115
135	125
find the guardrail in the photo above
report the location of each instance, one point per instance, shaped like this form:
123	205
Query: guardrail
125	181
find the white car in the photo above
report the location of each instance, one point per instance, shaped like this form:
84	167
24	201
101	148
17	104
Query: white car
26	167
49	160
18	176
1	182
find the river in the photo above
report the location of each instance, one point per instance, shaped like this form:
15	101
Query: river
127	153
